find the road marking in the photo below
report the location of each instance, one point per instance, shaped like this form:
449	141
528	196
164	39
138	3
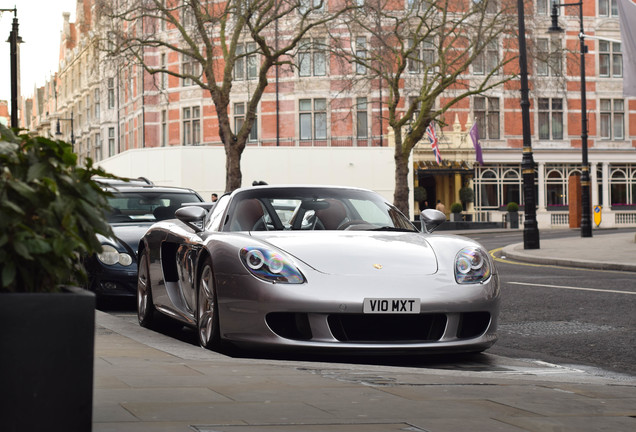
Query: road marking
528	264
571	288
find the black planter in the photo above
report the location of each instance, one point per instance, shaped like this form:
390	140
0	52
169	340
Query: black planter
46	361
513	217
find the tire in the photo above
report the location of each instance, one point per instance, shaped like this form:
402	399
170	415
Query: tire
145	305
207	308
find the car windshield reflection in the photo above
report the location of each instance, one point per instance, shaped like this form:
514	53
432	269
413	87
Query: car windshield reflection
134	207
271	209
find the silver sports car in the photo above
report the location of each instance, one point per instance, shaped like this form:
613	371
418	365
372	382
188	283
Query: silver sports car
317	267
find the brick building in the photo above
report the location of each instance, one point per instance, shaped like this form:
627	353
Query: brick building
115	106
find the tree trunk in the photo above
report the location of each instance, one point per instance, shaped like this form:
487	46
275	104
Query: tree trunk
401	194
233	175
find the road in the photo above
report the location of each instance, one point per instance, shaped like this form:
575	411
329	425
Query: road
573	318
563	315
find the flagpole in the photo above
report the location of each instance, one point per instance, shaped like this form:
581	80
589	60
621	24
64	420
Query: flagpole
530	228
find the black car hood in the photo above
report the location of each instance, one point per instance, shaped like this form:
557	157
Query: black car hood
128	235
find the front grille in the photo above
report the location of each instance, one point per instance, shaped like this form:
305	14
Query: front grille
473	324
382	328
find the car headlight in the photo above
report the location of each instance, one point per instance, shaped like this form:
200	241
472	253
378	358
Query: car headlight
111	256
472	265
270	266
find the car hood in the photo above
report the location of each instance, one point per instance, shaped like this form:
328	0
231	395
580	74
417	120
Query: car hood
358	253
130	234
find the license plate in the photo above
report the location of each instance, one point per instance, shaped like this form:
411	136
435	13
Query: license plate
391	305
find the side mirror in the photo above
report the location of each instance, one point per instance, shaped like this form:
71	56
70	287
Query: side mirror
431	219
192	216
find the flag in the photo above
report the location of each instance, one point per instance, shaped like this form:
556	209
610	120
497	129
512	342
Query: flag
430	132
627	16
474	135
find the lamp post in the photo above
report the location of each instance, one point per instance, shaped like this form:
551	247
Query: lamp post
586	223
59	132
14	40
530	228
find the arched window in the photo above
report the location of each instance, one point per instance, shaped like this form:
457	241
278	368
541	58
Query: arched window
555	189
618	187
511	187
488	189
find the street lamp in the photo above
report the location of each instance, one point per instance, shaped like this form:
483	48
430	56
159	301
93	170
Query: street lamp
586	223
59	132
14	40
530	228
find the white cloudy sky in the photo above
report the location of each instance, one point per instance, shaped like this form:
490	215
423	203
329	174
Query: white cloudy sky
40	23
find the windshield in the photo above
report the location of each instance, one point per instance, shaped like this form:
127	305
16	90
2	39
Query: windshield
313	209
146	206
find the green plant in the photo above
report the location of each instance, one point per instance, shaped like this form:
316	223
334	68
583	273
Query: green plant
512	207
466	194
419	194
456	208
50	213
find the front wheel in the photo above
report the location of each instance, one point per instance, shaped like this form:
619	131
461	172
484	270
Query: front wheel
145	305
207	308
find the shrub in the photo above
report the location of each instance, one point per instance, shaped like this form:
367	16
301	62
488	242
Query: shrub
456	208
50	213
512	207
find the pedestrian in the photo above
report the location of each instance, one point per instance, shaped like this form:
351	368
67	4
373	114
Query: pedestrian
214	197
441	207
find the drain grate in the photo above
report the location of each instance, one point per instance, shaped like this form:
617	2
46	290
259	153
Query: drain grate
552	328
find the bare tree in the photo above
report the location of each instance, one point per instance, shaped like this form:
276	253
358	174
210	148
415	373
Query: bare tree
421	55
216	37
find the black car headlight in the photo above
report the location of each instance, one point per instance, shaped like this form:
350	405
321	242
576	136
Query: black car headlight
472	265
111	256
270	266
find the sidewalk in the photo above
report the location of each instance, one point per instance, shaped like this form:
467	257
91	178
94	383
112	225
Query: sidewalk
147	381
601	251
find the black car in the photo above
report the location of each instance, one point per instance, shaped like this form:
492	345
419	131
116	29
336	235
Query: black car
136	205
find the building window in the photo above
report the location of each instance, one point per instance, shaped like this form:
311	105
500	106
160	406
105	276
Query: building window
312	60
422	57
88	109
544	7
187	14
131	134
487	60
361	55
246	64
550	118
486	112
191	126
164	128
98	147
511	187
612	119
111	93
313	119
312	6
140	131
622	185
239	119
607	8
111	141
548	59
610	59
555	185
190	69
362	119
96	98
164	76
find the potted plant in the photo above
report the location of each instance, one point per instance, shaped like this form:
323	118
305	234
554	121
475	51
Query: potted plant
420	196
456	212
513	214
50	212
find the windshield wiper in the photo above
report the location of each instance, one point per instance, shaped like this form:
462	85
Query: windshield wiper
389	228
